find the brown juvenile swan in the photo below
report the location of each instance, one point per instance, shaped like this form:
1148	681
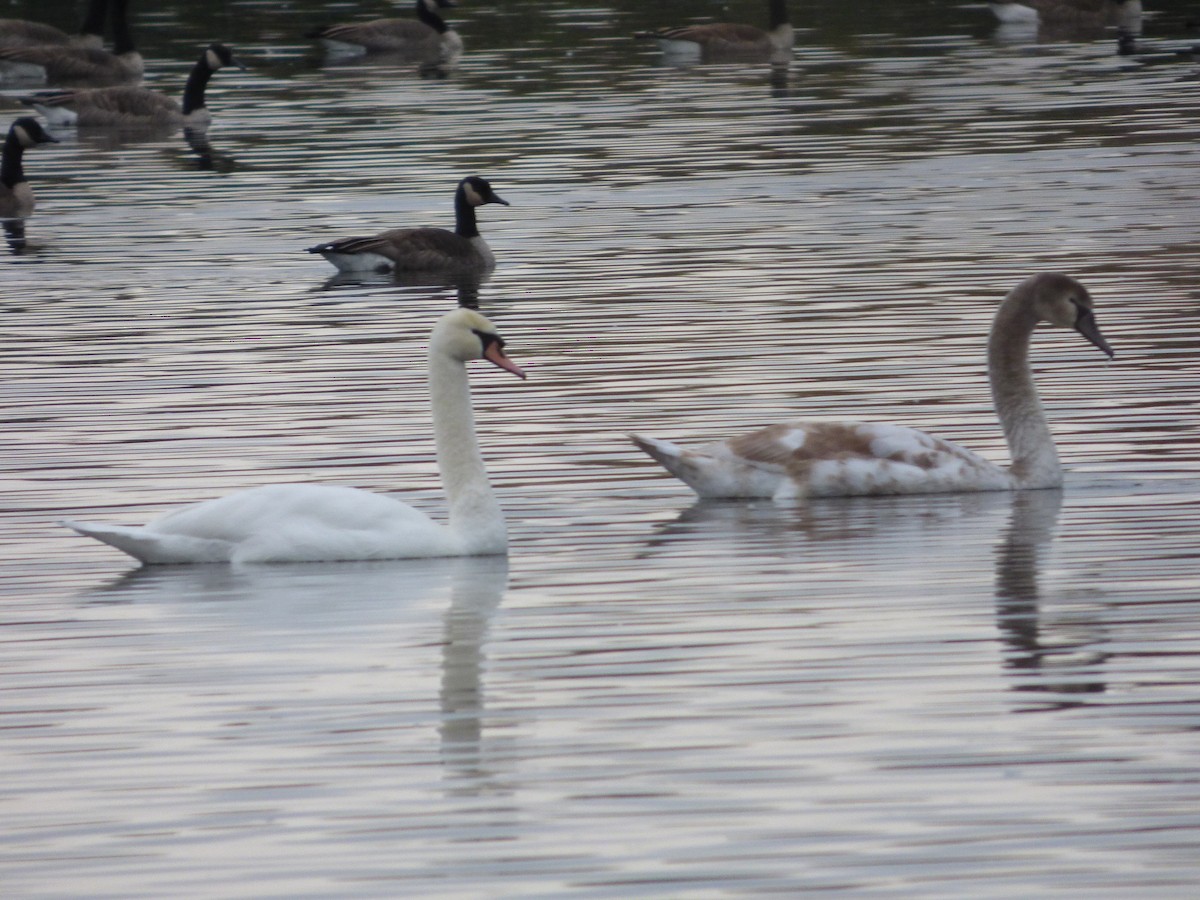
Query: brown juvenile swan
834	459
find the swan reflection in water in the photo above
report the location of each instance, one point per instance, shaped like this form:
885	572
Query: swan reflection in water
922	539
293	619
1061	655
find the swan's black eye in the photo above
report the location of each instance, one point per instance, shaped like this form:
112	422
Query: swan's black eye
488	339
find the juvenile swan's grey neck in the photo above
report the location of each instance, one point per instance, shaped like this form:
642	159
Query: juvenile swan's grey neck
475	515
1030	443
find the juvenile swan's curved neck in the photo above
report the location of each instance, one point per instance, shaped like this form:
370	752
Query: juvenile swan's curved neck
475	516
1030	443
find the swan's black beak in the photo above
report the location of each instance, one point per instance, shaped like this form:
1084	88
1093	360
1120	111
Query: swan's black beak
1086	325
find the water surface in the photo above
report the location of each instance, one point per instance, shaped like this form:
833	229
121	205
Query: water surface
925	696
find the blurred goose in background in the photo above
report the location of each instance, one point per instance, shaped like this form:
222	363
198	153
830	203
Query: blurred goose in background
1068	13
426	37
320	522
834	459
129	105
79	65
16	196
727	39
423	249
23	33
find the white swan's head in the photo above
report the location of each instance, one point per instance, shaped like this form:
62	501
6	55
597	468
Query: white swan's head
1063	301
466	334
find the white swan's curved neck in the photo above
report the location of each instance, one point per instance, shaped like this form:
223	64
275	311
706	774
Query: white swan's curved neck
1030	443
475	515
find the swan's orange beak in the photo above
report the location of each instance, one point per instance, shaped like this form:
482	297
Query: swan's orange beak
495	355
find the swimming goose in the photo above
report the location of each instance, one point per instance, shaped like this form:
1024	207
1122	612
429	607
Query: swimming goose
23	33
16	196
728	39
314	522
833	459
79	65
427	36
130	105
1069	13
423	249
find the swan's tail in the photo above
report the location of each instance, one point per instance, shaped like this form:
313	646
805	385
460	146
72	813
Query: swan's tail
665	452
152	548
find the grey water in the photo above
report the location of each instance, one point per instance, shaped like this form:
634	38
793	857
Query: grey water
983	695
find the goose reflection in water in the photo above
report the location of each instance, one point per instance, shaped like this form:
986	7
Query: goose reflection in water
207	158
305	620
464	287
1060	657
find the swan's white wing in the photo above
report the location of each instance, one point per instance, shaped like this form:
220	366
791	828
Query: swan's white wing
284	523
151	548
828	459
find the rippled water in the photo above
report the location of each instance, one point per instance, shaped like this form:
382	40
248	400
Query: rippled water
990	696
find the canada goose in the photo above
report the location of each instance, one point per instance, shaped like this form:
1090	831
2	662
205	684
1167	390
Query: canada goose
16	196
23	33
130	105
427	36
313	522
833	459
728	39
1067	13
422	249
86	65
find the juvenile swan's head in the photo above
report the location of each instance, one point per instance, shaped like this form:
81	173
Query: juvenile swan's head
465	334
1063	301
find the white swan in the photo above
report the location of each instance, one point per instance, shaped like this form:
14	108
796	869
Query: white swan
313	522
833	459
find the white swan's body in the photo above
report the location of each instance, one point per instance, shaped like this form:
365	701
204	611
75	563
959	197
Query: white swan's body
313	522
832	459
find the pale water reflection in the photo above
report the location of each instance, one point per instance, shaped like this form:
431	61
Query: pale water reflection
985	696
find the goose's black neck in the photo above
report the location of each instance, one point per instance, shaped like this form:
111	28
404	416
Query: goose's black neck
93	19
12	169
119	18
193	91
465	224
778	13
430	17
